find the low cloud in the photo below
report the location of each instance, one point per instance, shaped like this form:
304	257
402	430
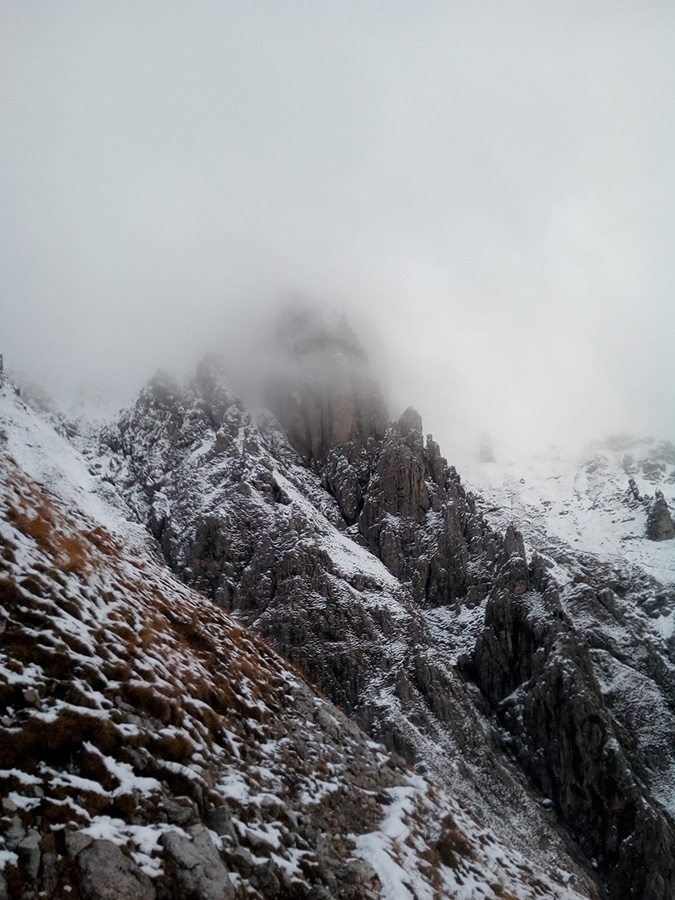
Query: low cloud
481	186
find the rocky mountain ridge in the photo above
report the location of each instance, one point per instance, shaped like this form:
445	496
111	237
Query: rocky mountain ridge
153	748
350	545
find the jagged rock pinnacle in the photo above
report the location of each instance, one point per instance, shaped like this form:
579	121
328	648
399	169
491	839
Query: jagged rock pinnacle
659	521
324	395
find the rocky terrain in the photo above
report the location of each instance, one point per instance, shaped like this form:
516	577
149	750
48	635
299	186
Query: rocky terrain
507	694
151	747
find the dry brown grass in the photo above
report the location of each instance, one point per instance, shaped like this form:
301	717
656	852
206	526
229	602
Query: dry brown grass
72	548
73	554
194	636
499	891
453	847
7	552
29	639
91	765
117	669
56	743
174	747
39	526
10	595
152	702
70	552
211	721
11	695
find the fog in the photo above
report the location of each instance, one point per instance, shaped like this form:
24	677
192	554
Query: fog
486	188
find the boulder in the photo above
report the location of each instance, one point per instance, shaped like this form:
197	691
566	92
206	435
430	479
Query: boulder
200	871
104	872
29	853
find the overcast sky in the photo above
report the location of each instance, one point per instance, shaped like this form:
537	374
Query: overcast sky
488	186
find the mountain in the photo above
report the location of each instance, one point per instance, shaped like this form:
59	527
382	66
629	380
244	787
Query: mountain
178	584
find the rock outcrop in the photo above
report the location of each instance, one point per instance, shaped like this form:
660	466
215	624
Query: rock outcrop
660	525
404	502
327	401
421	522
537	671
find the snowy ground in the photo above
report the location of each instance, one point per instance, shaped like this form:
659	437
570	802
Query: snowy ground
51	460
583	501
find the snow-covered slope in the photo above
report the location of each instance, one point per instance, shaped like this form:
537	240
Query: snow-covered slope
49	458
584	502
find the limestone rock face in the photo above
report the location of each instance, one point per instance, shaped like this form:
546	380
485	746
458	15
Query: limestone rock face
537	671
419	520
324	394
660	525
208	479
408	507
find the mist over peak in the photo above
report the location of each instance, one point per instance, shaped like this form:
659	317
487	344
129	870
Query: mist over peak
482	187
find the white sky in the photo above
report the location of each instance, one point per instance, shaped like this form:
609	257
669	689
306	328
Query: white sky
488	186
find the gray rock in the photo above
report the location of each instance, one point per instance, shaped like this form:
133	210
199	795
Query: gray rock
49	875
218	819
8	806
538	673
360	873
635	491
242	860
265	879
201	871
15	833
660	525
104	873
397	762
653	469
29	853
76	842
180	810
409	482
32	697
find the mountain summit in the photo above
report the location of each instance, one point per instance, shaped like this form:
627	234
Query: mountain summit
324	395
